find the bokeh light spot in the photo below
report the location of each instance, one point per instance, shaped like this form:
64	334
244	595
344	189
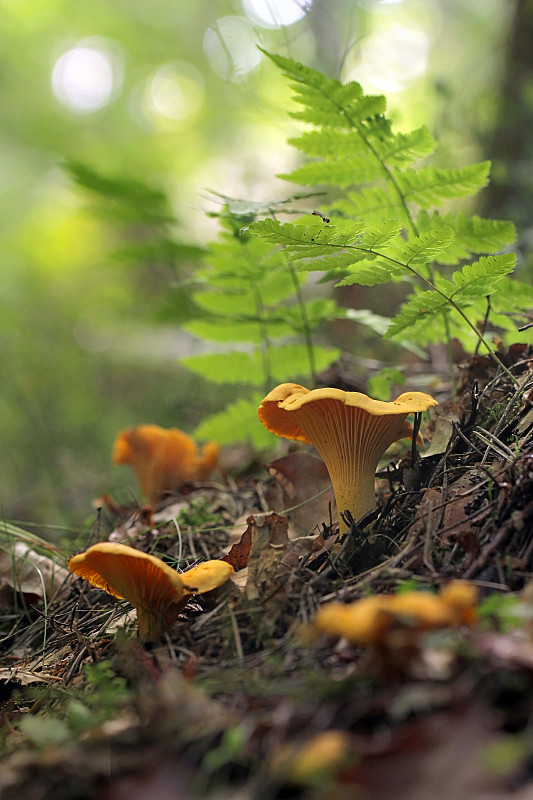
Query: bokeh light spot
391	59
176	91
86	77
274	13
230	46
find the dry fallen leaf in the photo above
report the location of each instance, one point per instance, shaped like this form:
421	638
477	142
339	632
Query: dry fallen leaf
24	570
301	480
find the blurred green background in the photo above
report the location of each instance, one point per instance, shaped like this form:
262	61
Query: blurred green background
174	95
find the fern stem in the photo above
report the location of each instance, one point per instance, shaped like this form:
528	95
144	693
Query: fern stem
449	355
305	323
454	305
266	345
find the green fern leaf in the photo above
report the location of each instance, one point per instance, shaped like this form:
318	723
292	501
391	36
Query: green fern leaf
238	330
481	277
473	235
238	422
371	273
422	306
234	367
372	204
329	142
424	248
342	171
380	325
429	186
471	282
404	148
381	235
249	367
327	101
307	241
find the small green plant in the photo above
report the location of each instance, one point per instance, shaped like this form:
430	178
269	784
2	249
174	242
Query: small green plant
385	221
384	218
250	301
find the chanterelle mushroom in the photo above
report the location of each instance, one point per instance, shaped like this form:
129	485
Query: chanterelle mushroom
350	431
163	458
156	590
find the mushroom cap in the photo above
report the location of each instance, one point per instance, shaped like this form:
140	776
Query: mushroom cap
371	619
275	408
127	573
156	590
164	459
350	430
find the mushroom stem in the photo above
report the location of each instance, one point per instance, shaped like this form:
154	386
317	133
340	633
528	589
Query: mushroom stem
350	431
357	497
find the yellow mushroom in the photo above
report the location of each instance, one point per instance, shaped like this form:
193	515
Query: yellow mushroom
164	459
370	620
156	590
350	431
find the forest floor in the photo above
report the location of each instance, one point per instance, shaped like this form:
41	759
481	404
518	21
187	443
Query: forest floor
244	698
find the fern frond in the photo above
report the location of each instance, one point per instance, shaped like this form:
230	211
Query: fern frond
327	101
248	368
237	422
421	307
341	171
481	277
473	235
220	329
371	273
381	235
426	246
428	186
307	241
404	148
372	204
471	282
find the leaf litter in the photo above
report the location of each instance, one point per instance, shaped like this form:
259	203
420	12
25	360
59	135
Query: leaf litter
242	698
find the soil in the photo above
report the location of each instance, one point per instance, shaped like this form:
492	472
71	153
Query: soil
243	698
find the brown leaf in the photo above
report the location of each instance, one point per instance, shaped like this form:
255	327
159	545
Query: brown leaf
269	546
29	573
457	522
240	551
301	479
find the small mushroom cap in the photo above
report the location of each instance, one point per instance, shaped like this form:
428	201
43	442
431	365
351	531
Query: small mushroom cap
156	590
126	573
287	397
206	577
362	622
164	459
369	620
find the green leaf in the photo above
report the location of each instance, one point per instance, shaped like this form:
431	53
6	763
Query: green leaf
380	325
473	235
285	362
370	273
472	281
245	368
404	148
339	171
381	235
424	248
481	277
294	237
238	422
422	305
379	383
239	330
429	186
373	204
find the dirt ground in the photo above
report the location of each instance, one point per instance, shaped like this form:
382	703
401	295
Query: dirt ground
244	698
